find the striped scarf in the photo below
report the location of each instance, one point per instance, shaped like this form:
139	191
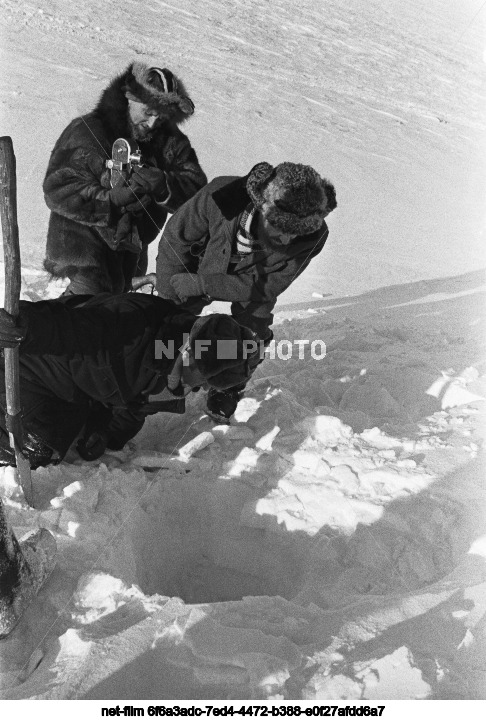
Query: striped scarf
245	241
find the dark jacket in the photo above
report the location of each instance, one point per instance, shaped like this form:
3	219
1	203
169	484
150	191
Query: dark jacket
199	239
96	359
76	185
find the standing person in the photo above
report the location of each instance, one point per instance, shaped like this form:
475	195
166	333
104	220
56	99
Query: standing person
244	240
98	235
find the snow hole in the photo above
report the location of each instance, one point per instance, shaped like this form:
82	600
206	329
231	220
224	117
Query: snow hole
190	543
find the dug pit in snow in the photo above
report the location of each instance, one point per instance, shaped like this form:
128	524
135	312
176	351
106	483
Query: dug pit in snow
188	541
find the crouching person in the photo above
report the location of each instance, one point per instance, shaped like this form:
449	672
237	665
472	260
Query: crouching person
89	364
244	240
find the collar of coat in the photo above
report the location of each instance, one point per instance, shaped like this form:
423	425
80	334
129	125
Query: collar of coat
233	198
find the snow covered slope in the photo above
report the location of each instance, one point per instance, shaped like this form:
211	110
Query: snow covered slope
384	97
331	543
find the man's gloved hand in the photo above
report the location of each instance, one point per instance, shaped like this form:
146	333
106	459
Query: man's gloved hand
122	195
138	205
10	334
92	447
187	285
152	180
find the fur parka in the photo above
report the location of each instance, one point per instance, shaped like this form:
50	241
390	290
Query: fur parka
84	224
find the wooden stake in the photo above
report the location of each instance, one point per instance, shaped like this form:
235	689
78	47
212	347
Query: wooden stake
11	250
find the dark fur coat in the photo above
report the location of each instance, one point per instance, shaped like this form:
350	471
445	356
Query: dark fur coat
93	364
83	222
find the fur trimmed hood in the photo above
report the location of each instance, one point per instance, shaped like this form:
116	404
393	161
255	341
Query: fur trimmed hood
157	87
300	198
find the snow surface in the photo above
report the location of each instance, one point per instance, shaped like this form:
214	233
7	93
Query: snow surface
329	544
332	542
384	97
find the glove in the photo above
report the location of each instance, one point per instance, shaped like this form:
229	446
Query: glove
92	447
124	194
10	334
187	285
138	205
152	180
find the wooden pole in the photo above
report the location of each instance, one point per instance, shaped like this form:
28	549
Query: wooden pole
11	250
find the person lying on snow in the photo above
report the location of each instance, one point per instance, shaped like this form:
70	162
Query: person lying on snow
244	240
89	364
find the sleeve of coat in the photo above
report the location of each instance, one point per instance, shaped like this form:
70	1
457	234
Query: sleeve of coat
254	285
190	224
184	176
73	186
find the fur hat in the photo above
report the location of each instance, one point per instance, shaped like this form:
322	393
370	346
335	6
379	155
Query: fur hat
301	201
222	357
158	88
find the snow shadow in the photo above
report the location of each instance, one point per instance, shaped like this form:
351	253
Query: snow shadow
401	585
376	563
432	577
205	528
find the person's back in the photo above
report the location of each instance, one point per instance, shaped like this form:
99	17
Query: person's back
82	355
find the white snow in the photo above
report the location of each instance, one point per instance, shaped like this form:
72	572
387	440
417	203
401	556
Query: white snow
296	554
330	544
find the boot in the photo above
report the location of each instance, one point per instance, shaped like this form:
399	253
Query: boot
24	568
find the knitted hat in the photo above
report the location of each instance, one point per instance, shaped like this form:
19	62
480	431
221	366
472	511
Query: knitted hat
219	351
301	198
158	88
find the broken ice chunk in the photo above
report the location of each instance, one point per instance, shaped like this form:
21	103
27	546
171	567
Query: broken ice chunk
196	444
452	392
265	442
328	430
